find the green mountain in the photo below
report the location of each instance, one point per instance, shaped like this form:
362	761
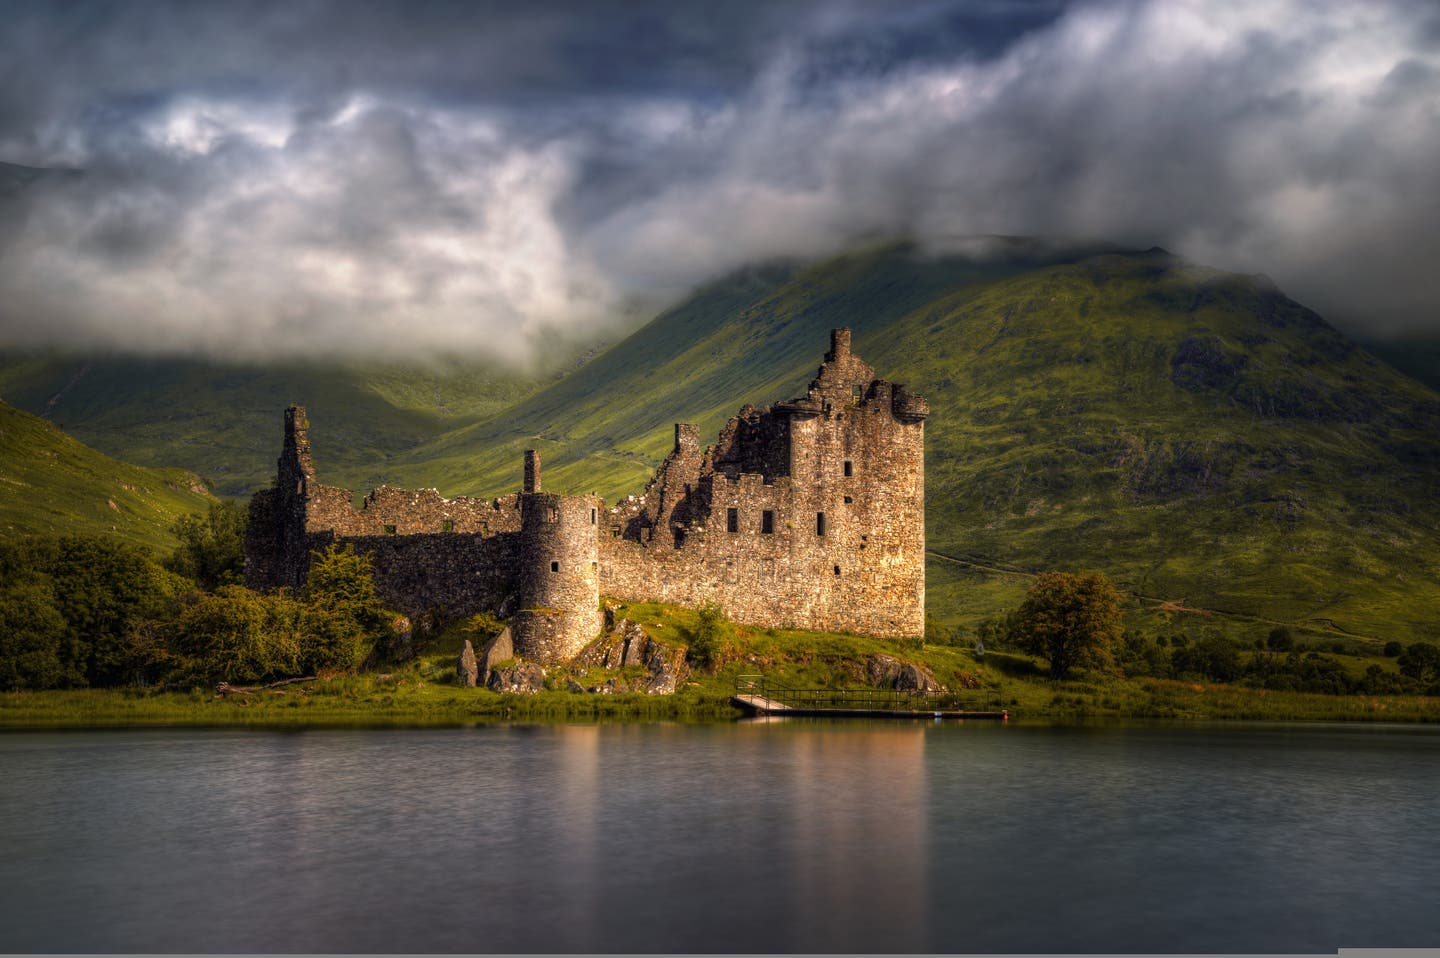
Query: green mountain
1195	434
50	484
1216	448
223	419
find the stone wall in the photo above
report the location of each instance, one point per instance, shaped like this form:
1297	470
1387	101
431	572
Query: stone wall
809	513
840	472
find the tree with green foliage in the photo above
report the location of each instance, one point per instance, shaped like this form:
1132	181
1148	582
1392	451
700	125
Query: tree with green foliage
34	639
104	588
1280	639
1211	657
212	546
237	635
1070	619
1421	662
345	616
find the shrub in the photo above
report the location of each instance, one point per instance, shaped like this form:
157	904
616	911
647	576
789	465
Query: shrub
238	636
710	637
212	546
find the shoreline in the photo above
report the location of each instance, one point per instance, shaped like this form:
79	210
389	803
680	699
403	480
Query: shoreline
354	703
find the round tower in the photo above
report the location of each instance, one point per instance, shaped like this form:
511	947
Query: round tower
559	577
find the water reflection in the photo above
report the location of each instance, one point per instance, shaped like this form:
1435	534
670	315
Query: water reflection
796	836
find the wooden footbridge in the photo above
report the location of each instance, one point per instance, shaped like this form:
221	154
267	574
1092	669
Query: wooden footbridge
757	695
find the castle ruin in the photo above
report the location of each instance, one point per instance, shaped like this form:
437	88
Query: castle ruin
808	514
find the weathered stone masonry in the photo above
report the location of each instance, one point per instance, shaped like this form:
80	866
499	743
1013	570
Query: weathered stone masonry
809	513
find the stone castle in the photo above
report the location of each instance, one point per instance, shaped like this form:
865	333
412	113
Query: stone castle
808	514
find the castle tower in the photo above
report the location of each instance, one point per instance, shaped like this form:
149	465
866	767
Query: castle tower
559	575
276	550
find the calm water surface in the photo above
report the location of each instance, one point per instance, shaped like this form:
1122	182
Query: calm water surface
765	836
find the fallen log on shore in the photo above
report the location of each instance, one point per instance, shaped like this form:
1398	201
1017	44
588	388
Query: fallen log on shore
225	688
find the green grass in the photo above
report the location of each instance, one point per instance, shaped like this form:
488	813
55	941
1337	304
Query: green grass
424	690
51	484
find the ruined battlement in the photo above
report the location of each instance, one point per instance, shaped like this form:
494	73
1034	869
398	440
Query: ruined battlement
808	513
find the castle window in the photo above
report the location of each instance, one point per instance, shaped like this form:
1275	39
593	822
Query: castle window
448	525
767	522
554	567
837	570
819	523
848	500
389	530
592	517
554	514
849	468
732	520
857	393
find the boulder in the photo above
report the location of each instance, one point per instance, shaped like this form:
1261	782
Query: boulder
467	670
497	650
524	677
887	672
667	668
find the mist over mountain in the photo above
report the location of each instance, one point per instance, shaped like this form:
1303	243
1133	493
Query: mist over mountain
1194	433
420	179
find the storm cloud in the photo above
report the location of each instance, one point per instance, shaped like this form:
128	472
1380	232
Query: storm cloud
415	179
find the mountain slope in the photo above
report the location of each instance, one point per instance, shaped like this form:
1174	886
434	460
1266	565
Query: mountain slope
755	337
51	484
1195	434
224	420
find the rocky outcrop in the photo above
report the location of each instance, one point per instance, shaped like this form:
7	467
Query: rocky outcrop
627	644
523	677
888	672
497	650
468	671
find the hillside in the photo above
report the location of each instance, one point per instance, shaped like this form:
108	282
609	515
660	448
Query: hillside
223	420
51	484
1218	449
756	336
1195	434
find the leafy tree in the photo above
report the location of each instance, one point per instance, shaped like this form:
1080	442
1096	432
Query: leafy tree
212	546
104	588
1212	657
1070	619
345	616
1421	662
1393	649
34	639
1139	656
239	636
1280	639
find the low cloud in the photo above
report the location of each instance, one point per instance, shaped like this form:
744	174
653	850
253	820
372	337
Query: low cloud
419	209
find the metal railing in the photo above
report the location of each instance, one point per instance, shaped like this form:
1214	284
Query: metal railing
870	699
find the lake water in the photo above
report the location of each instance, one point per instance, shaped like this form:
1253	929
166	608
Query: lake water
756	836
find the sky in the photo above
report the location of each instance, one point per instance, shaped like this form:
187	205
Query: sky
420	178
